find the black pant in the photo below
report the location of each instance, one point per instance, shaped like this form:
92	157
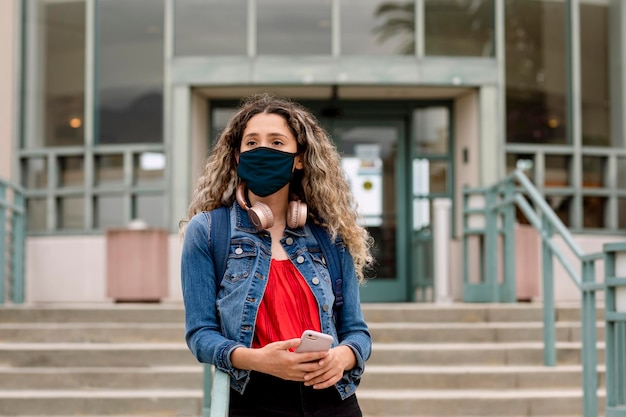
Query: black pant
268	396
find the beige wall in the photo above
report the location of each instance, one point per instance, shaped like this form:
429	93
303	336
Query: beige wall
7	85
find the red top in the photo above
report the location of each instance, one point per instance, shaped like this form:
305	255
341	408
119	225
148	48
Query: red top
288	307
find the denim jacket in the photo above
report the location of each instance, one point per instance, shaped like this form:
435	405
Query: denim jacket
222	318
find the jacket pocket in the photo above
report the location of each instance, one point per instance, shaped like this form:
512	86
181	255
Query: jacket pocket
241	257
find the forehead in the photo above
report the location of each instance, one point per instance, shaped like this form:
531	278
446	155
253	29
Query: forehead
267	123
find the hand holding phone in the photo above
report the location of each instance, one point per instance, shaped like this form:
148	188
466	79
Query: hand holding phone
312	341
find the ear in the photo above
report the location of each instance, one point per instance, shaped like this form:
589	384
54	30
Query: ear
298	164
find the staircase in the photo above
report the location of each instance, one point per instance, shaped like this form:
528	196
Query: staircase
428	360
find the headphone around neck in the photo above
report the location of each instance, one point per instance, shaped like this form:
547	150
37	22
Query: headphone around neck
261	215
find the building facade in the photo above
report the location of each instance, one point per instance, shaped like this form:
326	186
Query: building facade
109	109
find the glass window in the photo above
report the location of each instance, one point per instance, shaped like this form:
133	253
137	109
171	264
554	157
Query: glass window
71	171
562	206
594	212
431	127
37	210
130	71
109	211
535	72
621	172
210	27
109	169
557	171
35	173
150	208
71	213
56	87
593	171
377	27
149	168
459	27
287	27
621	213
594	49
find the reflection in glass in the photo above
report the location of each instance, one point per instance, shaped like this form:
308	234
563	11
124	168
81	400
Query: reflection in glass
130	71
377	27
210	27
35	173
109	169
459	27
422	251
593	171
109	211
594	60
37	210
71	213
535	72
557	171
594	212
287	27
621	213
151	209
56	115
369	155
431	127
149	168
71	171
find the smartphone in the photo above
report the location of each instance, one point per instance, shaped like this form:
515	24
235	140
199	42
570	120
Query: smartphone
312	341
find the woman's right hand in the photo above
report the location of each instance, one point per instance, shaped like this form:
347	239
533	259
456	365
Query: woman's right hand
278	359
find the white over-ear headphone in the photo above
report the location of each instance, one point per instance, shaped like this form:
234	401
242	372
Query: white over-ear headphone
262	217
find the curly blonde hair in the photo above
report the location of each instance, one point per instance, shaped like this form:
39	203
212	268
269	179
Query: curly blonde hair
321	184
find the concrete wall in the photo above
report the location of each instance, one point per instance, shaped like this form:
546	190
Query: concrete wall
7	85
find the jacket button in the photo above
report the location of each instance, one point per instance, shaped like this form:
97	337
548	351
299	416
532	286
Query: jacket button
325	308
238	251
289	241
300	259
347	389
315	281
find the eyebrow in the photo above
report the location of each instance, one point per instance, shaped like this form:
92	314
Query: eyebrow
273	134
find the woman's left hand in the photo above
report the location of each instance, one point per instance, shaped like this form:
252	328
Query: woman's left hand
331	368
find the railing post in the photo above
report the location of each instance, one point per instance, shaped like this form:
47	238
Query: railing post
18	228
491	244
441	245
207	382
589	342
508	225
615	318
3	240
549	325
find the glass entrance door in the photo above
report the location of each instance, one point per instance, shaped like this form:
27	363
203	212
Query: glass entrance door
372	155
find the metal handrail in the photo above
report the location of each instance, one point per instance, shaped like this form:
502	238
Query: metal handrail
12	242
498	199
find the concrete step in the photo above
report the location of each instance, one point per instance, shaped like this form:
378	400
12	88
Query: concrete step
484	354
177	354
138	402
112	332
392	377
475	377
373	312
88	378
500	403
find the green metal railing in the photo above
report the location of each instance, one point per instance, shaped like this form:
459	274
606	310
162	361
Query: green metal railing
499	202
615	317
12	241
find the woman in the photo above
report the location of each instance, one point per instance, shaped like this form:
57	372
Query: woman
277	171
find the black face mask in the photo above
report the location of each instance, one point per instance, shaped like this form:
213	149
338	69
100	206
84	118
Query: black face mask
265	170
